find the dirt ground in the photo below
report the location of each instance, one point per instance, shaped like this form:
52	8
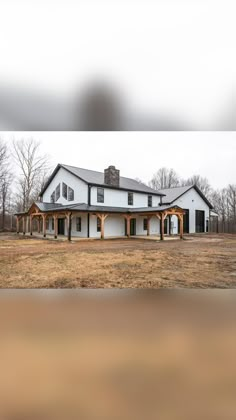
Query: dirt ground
199	261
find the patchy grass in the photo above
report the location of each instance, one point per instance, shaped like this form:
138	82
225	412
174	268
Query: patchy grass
200	261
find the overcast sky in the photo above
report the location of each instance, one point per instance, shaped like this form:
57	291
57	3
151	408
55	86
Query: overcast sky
140	154
175	57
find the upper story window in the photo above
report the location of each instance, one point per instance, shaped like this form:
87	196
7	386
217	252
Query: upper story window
70	194
64	190
100	195
150	201
58	191
130	198
53	196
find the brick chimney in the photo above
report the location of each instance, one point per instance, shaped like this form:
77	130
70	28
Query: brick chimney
112	176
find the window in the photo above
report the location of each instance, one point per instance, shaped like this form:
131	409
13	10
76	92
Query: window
150	201
70	194
98	224
130	198
47	223
64	190
53	197
78	224
144	224
58	192
52	223
100	195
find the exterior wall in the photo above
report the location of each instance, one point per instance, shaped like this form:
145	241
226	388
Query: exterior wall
190	200
114	226
80	188
154	226
119	198
84	226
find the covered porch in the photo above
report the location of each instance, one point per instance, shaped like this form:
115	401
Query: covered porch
95	221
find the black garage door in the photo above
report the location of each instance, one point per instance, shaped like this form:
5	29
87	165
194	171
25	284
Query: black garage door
200	221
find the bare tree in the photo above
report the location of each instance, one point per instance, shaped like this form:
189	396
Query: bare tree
5	181
202	183
164	178
33	169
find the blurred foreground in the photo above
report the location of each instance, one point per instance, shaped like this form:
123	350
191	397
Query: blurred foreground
117	355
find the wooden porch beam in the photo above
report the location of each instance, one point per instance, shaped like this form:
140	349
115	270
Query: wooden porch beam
23	225
17	224
181	228
148	226
55	226
44	224
30	226
162	227
102	217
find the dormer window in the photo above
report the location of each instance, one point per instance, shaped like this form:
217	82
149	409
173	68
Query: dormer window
58	192
53	196
70	194
64	190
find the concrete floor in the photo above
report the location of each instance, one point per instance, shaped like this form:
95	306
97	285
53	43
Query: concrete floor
74	238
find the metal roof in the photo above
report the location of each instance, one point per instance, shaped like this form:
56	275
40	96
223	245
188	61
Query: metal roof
172	194
97	178
82	207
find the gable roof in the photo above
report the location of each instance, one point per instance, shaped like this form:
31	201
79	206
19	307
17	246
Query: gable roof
97	178
172	194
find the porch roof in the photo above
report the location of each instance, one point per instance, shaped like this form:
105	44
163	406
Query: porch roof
83	207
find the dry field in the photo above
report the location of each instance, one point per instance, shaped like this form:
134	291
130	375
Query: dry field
203	261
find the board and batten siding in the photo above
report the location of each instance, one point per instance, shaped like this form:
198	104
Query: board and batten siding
119	198
193	201
80	188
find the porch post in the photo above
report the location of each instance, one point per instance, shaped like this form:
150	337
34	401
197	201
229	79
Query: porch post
17	224
69	226
148	226
44	225
30	220
128	225
162	226
181	219
23	225
38	221
55	226
170	231
102	217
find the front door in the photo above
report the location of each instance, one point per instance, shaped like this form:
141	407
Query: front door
132	227
61	226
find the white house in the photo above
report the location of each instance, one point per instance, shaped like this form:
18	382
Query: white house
83	203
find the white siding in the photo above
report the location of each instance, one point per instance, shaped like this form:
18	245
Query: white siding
80	188
119	198
84	225
193	201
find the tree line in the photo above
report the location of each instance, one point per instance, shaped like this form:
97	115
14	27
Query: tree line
223	200
18	192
